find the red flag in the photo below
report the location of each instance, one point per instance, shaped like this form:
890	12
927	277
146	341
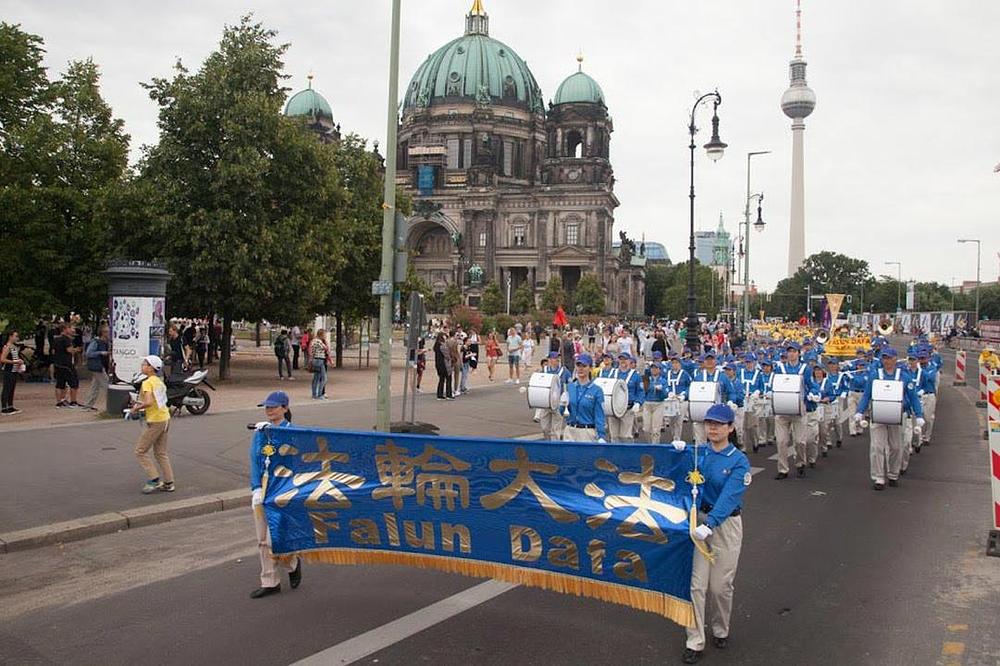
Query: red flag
559	318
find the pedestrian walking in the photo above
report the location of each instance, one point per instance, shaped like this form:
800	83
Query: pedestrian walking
493	352
514	346
277	415
153	399
442	364
11	366
420	355
319	354
98	355
66	378
201	343
527	352
282	348
726	473
296	339
177	351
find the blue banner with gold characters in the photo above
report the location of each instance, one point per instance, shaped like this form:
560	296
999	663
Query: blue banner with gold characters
608	521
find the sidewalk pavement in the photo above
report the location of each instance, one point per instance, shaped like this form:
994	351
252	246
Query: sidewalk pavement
254	375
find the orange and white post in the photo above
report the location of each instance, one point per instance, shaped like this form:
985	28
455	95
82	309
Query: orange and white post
959	368
993	416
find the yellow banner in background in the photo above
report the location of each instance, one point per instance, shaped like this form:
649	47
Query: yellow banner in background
834	301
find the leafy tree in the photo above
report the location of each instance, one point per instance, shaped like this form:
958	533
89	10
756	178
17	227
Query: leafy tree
522	300
492	301
60	149
414	283
247	198
451	298
669	297
589	297
554	296
658	279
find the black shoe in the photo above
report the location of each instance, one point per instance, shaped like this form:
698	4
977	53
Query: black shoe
691	656
878	486
824	454
916	449
902	472
802	469
755	447
265	591
781	476
720	643
893	483
839	442
295	576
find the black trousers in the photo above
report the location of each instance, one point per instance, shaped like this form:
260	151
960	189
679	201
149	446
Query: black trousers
9	382
444	386
295	356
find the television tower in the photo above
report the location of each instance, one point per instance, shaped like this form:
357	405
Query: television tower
797	103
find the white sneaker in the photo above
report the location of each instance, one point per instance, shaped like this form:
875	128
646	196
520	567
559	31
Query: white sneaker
517	381
509	381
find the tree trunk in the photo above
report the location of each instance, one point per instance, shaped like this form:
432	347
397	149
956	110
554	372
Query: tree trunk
340	339
227	347
256	333
213	338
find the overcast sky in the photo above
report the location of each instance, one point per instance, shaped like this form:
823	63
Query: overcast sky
899	151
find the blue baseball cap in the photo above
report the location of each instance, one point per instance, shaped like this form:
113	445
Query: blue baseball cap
749	357
720	414
859	350
767	361
889	352
607	355
657	355
275	399
708	353
923	355
553	354
625	355
585	359
792	345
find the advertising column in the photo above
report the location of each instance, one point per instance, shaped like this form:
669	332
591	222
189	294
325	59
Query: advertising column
137	300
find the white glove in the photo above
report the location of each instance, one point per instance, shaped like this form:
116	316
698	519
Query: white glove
858	418
635	408
256	498
813	397
920	392
679	444
732	405
260	425
920	422
601	440
702	532
672	395
756	394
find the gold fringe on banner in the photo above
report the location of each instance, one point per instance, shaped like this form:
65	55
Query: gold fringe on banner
659	603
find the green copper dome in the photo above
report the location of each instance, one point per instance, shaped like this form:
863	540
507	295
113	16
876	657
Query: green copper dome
474	67
308	103
579	87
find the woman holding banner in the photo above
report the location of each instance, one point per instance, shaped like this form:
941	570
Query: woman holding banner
278	416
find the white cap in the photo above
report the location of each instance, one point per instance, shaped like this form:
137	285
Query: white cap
155	362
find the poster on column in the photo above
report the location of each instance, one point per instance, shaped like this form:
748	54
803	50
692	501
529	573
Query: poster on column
136	331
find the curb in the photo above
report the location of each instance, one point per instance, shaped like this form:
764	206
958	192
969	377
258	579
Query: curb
116	521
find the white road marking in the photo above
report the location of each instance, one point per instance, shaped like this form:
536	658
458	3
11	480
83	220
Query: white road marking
756	470
773	456
382	637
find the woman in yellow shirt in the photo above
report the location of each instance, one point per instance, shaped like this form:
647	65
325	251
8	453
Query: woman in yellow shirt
153	399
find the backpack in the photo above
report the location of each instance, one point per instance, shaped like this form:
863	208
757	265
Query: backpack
280	346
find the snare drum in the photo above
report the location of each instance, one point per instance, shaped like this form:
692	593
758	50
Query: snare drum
544	390
615	396
671	408
786	396
701	396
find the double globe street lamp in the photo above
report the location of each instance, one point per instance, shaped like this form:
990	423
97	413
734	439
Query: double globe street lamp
714	149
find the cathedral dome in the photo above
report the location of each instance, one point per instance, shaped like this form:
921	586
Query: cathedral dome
477	68
579	87
308	103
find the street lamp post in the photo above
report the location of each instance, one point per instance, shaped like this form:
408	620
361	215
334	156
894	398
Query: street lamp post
714	148
978	253
899	283
746	243
508	293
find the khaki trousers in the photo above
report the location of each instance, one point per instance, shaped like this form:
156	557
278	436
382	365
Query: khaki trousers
652	417
929	402
552	424
886	447
698	429
790	433
828	428
853	398
906	447
270	568
812	435
98	387
621	429
713	582
571	434
154	436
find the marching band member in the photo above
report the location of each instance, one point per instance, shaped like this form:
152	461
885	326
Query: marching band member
765	425
855	389
711	373
678	381
727	474
751	385
831	391
585	406
621	429
814	417
790	431
278	416
887	440
607	367
926	379
739	400
552	419
652	404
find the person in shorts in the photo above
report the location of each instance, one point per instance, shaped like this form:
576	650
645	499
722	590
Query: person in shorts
64	370
514	345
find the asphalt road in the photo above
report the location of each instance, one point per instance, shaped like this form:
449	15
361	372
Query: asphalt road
831	571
